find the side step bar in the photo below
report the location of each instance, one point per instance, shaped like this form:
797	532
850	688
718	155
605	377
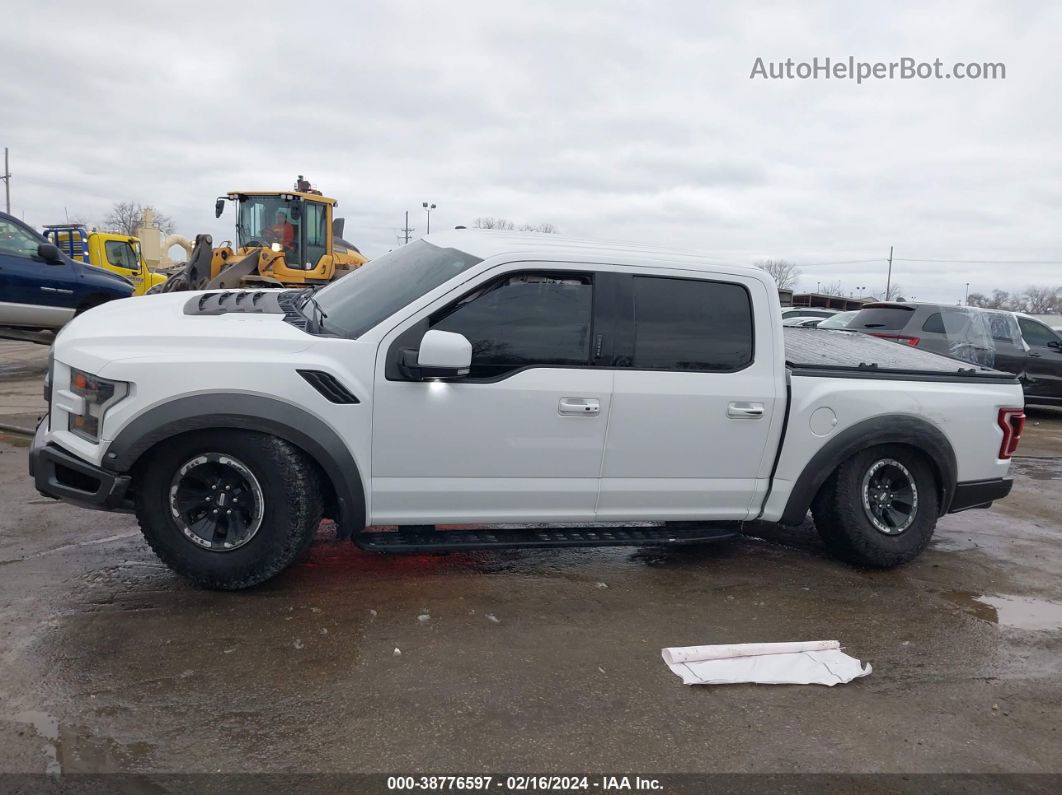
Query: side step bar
422	539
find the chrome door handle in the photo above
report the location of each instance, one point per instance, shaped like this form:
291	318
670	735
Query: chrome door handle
744	411
587	407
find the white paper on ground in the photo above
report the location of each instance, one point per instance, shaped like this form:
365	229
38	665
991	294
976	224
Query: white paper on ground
816	662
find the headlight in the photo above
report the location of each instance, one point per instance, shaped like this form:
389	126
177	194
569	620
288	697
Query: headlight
98	395
48	378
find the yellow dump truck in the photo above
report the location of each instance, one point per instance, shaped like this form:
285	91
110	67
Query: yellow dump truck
119	254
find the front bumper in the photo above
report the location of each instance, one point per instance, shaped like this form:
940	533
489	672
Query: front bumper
979	493
62	476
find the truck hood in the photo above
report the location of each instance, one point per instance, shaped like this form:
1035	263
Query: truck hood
181	325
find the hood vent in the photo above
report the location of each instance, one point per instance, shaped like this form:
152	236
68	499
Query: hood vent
329	386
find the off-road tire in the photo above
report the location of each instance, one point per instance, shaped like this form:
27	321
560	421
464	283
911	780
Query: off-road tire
292	508
843	522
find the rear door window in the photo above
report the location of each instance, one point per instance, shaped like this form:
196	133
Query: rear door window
885	318
691	324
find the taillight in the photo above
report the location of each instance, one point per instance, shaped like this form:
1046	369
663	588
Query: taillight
1012	421
903	339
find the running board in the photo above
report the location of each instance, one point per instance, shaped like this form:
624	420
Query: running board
426	540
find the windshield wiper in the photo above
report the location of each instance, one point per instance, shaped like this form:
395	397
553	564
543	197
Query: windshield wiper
312	299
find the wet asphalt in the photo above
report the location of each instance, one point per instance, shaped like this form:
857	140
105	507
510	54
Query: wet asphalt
531	660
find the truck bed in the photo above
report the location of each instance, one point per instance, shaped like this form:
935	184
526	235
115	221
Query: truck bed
852	354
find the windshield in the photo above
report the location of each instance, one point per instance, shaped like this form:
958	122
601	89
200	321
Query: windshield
378	289
265	220
840	320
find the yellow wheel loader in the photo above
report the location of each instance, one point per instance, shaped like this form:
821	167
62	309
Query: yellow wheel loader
283	239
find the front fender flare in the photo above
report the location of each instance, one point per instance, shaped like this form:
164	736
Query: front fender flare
254	413
891	429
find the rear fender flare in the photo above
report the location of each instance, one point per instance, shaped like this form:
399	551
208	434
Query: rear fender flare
254	413
892	429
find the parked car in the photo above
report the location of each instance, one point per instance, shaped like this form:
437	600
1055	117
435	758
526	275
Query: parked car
1042	378
802	322
40	287
987	337
469	377
806	311
838	321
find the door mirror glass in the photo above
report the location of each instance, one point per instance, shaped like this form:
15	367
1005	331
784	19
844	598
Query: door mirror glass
219	207
442	354
49	253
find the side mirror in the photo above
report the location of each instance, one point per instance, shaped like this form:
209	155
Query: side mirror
49	253
296	211
1055	344
219	207
442	354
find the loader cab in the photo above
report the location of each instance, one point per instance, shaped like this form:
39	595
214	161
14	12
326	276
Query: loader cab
297	224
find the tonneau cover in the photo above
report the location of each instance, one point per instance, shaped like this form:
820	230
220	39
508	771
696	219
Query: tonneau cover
810	351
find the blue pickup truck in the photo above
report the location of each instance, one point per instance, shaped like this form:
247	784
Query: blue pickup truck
40	287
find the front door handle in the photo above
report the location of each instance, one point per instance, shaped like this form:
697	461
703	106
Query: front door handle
587	407
740	410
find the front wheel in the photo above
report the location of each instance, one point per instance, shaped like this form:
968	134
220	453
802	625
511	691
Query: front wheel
228	509
879	508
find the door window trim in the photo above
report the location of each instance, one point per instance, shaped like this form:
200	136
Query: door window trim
410	338
630	323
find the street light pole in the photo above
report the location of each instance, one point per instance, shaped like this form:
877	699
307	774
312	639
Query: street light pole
6	177
888	279
966	299
428	208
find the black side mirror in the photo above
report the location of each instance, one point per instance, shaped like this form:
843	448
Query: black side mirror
219	207
1055	344
49	253
296	211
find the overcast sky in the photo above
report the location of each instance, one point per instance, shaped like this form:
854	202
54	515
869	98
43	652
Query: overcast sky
631	121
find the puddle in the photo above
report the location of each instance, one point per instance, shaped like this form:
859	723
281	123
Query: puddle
1020	612
73	749
1038	468
47	729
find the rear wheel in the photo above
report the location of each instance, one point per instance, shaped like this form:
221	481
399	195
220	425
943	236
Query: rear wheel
228	509
879	508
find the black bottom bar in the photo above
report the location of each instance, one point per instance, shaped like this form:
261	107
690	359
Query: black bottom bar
408	540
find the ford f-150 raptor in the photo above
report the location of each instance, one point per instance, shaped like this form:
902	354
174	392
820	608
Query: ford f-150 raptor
576	393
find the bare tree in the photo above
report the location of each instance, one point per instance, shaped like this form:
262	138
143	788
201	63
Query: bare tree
126	217
1041	300
785	273
490	222
832	288
546	228
895	293
504	224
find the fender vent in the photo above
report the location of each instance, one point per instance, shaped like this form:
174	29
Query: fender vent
329	386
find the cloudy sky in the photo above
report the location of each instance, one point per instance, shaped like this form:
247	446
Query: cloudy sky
619	120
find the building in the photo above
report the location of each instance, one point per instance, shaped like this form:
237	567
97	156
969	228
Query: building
822	301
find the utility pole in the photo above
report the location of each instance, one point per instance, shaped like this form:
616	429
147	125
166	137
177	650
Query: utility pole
405	231
6	177
888	280
966	300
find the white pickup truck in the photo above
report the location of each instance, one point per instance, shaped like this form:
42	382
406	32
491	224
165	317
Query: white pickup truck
595	394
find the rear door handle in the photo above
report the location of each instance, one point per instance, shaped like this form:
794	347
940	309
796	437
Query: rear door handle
740	410
587	407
